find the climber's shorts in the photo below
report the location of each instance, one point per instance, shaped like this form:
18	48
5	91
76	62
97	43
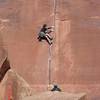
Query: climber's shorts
42	34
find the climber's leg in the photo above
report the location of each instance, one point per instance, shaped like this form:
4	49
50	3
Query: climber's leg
49	36
48	40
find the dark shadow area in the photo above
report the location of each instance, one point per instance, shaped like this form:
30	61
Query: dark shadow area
4	68
56	88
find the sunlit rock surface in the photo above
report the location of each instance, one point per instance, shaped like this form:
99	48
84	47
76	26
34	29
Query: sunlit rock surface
75	51
14	87
57	96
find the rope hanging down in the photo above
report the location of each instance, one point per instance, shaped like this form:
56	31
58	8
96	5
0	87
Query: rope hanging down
50	47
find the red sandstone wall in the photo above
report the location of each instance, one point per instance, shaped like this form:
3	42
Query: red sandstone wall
77	41
27	56
75	52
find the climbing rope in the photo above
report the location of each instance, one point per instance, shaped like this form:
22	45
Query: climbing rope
49	64
50	47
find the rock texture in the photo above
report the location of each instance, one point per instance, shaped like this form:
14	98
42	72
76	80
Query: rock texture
14	87
56	96
75	51
3	88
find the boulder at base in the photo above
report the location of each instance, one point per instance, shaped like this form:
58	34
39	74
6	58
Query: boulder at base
57	96
14	87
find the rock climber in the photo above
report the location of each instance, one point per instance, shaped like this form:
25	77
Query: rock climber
44	34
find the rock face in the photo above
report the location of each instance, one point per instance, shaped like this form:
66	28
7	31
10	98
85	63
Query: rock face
14	87
75	51
77	33
3	88
56	96
4	68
